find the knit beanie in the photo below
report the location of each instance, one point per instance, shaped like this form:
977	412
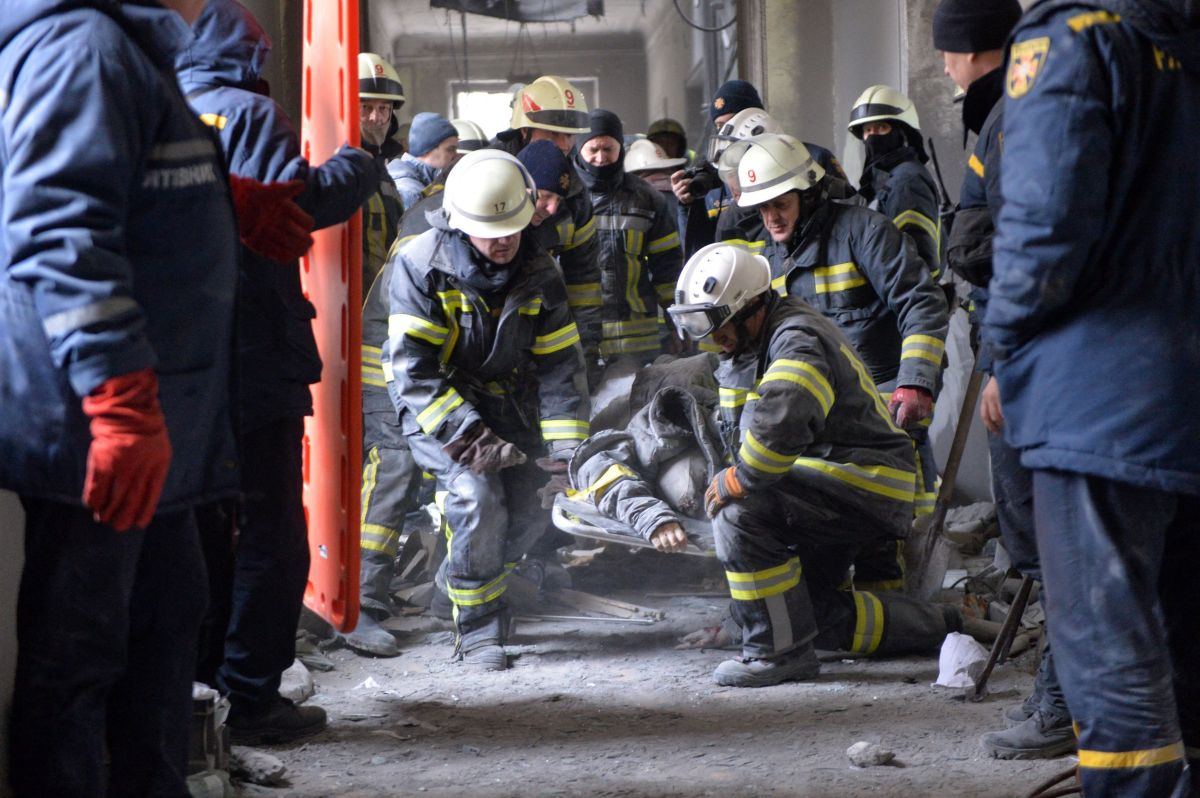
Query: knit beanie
974	26
428	131
604	123
734	96
549	168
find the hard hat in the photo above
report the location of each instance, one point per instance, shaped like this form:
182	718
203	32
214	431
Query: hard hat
744	124
644	155
667	125
550	103
470	135
377	80
717	282
488	195
773	165
882	104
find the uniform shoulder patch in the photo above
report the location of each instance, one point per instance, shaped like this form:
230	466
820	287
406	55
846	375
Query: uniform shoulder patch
1024	63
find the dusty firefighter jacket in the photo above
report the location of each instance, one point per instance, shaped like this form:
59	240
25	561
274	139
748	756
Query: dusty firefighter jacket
906	194
414	179
380	220
1098	242
852	265
455	356
576	250
640	260
95	280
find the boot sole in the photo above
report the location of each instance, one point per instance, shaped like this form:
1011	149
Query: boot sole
737	680
272	736
1045	752
370	650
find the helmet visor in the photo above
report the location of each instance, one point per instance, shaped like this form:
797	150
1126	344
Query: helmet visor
560	118
698	320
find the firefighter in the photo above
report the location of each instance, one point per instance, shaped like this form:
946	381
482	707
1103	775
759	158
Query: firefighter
650	161
481	360
432	145
470	135
895	181
551	108
380	95
820	467
1096	345
638	243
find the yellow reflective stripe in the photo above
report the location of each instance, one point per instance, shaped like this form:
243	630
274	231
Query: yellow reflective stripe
757	456
433	415
732	397
779	284
572	237
708	346
975	164
639	326
868	623
633	271
1082	21
372	368
664	291
804	375
613	474
754	246
749	586
455	300
214	120
401	324
473	597
838	277
669	241
629	346
713	213
923	346
581	295
531	308
1147	758
558	340
564	430
890	482
917	219
868	386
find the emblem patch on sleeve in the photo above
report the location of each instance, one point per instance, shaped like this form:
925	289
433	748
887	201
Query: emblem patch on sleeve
1024	63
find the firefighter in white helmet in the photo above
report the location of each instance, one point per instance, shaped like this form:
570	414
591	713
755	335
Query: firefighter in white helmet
481	359
470	135
551	108
895	181
820	469
852	264
379	96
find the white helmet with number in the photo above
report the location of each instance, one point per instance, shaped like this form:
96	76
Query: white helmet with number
489	194
744	124
773	165
550	103
378	80
644	155
470	135
882	104
716	283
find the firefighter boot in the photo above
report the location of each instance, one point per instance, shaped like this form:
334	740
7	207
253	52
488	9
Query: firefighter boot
1040	737
370	638
798	665
481	641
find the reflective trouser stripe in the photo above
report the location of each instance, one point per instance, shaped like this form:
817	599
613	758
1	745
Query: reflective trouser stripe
868	623
753	585
374	537
1146	758
372	369
580	295
564	430
482	595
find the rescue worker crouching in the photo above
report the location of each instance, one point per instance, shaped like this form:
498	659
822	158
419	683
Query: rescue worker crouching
820	467
480	360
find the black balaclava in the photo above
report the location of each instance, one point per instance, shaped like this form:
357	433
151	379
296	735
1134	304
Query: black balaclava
604	123
884	152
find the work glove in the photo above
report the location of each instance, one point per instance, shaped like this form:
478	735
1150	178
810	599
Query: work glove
483	451
130	454
270	223
910	406
723	489
559	481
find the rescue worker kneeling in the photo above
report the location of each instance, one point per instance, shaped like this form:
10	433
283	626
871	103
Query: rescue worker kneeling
820	466
481	344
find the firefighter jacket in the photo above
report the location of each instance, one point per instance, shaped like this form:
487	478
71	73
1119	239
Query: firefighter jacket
414	179
852	264
456	355
1092	318
640	260
277	352
118	246
904	192
576	250
380	225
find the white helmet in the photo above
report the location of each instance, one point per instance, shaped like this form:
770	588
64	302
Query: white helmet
742	125
550	103
644	155
489	194
378	80
717	282
882	104
470	135
773	165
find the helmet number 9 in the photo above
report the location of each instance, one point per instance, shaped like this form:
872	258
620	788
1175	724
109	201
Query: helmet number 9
752	175
570	97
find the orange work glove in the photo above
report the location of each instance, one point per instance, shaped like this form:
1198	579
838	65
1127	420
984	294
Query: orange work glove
910	406
130	453
723	489
269	222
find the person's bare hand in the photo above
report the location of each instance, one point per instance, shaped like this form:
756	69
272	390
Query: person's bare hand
990	411
681	184
669	537
708	637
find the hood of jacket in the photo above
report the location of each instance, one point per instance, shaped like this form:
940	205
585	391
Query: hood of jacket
156	28
1173	25
230	49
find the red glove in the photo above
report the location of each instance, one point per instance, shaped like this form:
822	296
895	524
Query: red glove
910	406
269	222
723	489
130	452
